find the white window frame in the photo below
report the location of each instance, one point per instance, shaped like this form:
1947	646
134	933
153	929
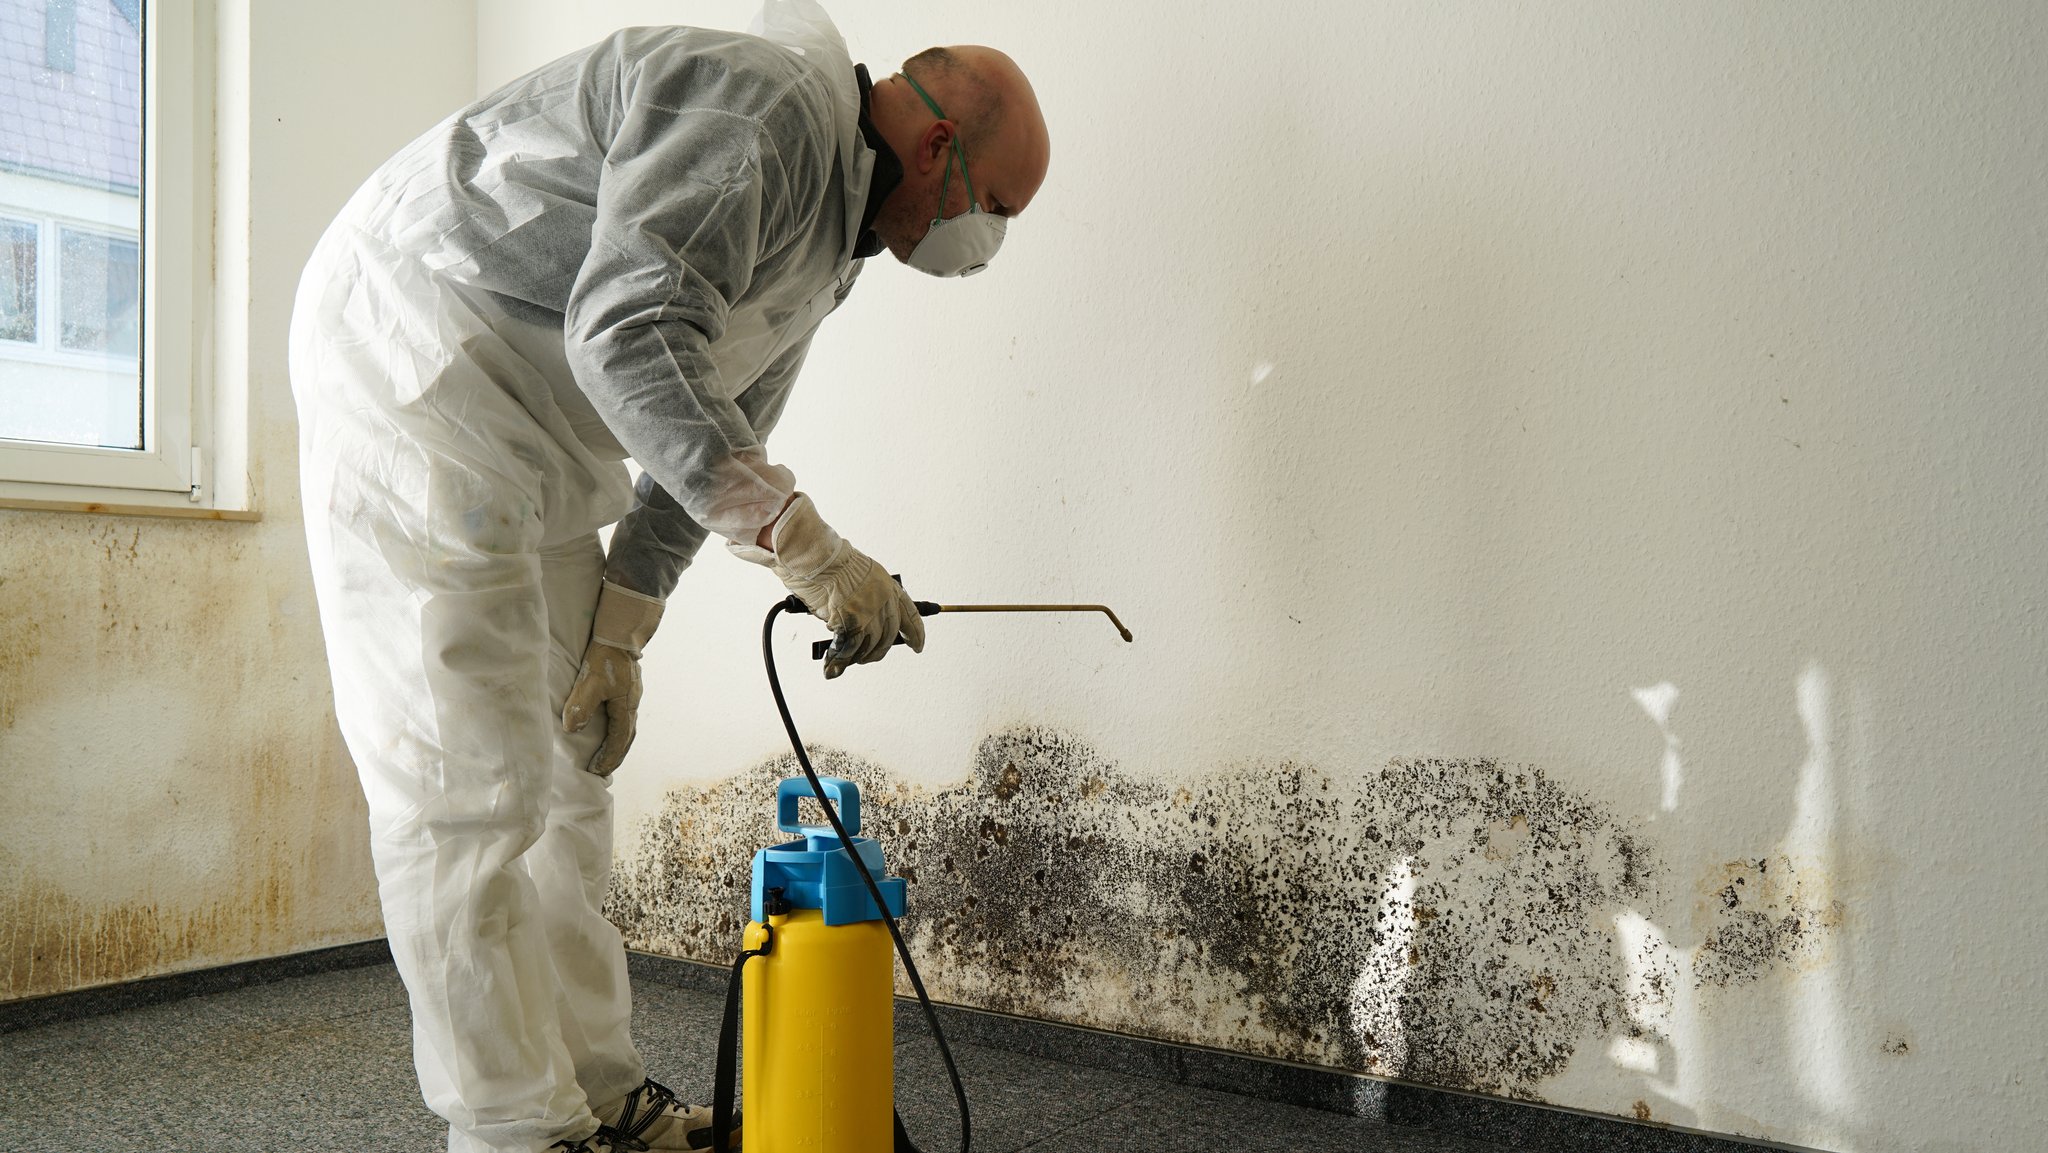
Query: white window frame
176	231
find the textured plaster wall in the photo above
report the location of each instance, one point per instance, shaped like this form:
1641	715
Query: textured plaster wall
1576	476
177	795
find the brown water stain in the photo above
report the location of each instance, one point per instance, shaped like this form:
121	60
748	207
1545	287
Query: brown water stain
298	878
1762	913
20	645
52	942
193	612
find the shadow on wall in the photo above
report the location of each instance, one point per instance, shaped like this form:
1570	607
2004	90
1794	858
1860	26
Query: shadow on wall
1459	923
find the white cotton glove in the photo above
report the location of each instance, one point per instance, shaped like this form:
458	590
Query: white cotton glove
610	675
840	584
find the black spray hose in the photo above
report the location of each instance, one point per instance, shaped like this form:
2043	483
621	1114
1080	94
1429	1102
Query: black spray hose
793	604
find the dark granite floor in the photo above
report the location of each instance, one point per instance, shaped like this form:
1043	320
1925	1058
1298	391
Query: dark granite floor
322	1063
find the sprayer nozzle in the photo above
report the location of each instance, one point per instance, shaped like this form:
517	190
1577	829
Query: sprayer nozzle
931	608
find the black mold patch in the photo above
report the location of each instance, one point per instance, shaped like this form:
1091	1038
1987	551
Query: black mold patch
1450	922
1767	912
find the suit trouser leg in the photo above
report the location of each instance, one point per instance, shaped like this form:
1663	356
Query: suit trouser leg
571	864
437	511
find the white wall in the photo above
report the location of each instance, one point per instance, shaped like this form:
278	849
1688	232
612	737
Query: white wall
1643	395
177	795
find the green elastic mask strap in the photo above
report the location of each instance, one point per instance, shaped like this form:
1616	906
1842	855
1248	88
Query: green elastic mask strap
959	149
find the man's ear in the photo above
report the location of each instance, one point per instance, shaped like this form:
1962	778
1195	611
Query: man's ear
933	145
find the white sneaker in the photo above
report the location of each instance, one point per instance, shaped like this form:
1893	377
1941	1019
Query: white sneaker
650	1117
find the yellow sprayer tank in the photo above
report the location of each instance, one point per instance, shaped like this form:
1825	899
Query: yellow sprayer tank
818	1041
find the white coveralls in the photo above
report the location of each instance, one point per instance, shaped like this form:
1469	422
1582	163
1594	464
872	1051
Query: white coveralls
624	252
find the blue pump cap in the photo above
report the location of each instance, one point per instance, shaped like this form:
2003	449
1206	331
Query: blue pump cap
814	873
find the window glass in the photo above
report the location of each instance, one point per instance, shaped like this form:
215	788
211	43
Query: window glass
71	187
18	240
99	309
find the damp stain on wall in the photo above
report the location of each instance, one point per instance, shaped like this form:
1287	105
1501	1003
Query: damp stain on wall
1443	921
1764	912
53	941
293	880
179	794
20	645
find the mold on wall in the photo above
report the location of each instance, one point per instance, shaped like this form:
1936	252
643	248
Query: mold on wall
1444	921
1764	911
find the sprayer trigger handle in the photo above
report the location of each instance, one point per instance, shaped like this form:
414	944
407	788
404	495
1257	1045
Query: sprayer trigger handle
924	609
820	648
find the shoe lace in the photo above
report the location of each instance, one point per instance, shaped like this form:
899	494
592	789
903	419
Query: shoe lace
644	1106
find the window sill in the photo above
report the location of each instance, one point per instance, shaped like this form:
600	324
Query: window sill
175	511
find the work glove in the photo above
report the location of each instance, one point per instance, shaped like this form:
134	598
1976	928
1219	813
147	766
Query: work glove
841	585
610	674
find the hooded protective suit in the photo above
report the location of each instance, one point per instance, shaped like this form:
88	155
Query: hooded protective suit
622	253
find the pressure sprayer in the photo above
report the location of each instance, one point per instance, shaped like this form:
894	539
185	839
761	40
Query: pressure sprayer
820	992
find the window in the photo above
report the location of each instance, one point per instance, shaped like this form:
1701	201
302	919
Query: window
98	227
102	289
70	335
20	247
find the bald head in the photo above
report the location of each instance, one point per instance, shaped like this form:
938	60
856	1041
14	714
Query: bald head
990	111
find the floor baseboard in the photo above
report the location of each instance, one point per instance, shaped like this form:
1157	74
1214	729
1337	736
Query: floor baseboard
30	1012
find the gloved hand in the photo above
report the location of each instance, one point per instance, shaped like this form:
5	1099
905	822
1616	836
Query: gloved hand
840	584
610	675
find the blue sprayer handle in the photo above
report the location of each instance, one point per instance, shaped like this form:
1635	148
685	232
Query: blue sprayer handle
845	797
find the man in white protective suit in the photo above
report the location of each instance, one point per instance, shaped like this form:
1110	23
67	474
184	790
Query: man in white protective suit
624	253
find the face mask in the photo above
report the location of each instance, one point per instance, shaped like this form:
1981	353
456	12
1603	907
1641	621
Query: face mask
965	244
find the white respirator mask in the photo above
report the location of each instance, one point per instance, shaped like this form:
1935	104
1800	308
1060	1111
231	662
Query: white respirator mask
963	245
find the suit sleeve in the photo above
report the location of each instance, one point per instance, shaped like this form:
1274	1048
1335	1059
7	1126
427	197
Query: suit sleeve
695	188
655	542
